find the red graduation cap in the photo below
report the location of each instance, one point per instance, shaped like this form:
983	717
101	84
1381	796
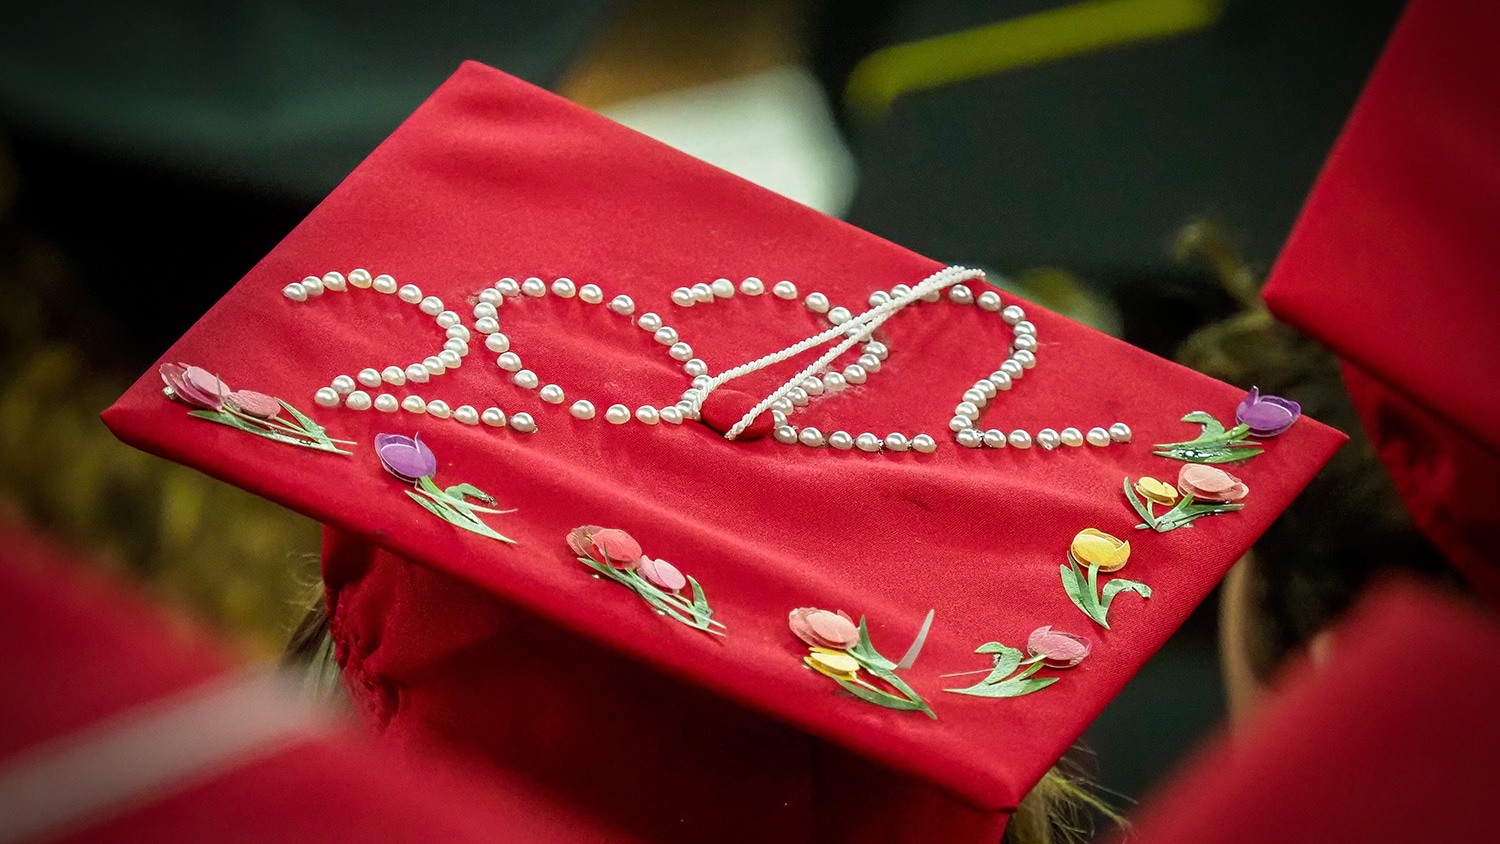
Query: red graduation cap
910	474
1393	264
1384	743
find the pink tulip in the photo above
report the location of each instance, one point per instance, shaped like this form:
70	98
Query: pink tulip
194	385
605	544
1209	483
824	629
1056	648
661	574
251	403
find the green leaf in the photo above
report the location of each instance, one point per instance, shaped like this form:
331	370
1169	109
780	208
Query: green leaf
1120	584
1211	426
865	651
1141	509
880	698
1213	445
911	694
1007	660
242	424
444	509
1009	688
462	491
1186	512
1072	580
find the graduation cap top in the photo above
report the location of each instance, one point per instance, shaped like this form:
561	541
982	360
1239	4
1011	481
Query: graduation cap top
493	183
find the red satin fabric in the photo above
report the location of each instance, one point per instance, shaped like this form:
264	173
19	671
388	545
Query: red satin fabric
492	178
1394	740
1393	265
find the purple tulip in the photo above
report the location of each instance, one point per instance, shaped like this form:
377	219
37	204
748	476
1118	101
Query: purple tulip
408	458
1267	416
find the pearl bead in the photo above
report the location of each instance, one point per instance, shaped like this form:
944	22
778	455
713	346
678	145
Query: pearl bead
360	278
387	403
666	335
700	382
877	349
508	287
811	437
487	325
896	442
648	322
369	377
833	382
459	332
564	288
1013	368
960	423
786	434
622	305
551	394
313	285
989	300
1119	432
994	438
343	385
591	294
490	296
969	438
702	293
409	293
1012	314
434	365
975	397
777	419
535	288
333	281
839	316
497	342
485	309
1000	379
384	284
1097	437
1071	437
960	294
817	303
393	375
722	288
466	414
417	373
985	387
682	297
783	404
812	386
582	409
456	346
869	362
510	362
358	400
681	351
1048	438
295	291
1025	327
448	319
450	358
900	290
1025	342
752	286
924	443
1024	358
841	440
878	298
967	409
854	373
784	290
867	442
326	397
493	417
647	414
671	414
1019	439
525	379
932	296
797	396
432	306
695	367
438	408
522	423
414	404
617	414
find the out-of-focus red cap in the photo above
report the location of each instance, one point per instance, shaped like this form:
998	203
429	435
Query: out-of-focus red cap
1394	739
1395	265
516	657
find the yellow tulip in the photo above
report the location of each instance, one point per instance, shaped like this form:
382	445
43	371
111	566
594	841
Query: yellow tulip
1093	547
1156	492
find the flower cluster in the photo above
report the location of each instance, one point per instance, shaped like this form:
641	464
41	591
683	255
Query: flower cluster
1011	675
1201	491
409	459
246	410
841	650
614	554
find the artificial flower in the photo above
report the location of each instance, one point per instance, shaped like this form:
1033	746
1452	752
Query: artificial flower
408	458
1156	491
1210	483
1092	547
824	629
1267	416
1056	648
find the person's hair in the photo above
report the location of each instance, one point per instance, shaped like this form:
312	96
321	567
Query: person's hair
1349	527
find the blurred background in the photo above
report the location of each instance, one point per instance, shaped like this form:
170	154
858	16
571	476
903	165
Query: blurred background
1131	163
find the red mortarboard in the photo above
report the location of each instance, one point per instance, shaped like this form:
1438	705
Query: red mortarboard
1384	743
516	657
1394	265
116	726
